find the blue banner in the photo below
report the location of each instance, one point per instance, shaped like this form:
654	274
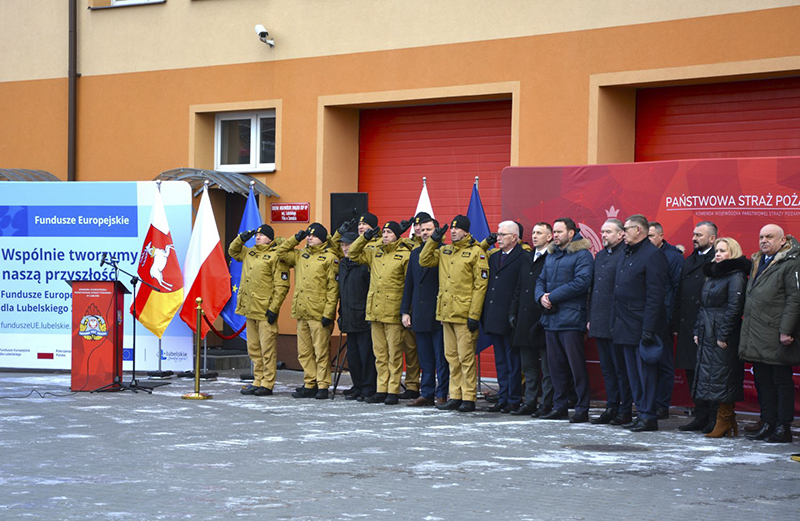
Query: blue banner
250	221
479	228
69	221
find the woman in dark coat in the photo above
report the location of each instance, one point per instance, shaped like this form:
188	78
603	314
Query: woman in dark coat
719	372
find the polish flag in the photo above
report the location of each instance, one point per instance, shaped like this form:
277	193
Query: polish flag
205	272
159	267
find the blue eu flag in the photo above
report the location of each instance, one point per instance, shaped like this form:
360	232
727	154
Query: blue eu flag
250	221
479	228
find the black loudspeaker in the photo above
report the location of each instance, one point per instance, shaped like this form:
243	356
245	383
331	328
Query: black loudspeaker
346	206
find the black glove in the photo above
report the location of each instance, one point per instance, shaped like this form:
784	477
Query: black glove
302	234
246	236
438	233
326	322
371	233
347	226
512	321
271	317
405	225
491	240
472	325
648	338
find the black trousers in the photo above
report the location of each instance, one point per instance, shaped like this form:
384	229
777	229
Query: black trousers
361	362
775	393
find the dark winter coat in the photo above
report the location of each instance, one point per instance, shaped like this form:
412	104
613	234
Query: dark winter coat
567	277
772	307
601	303
687	307
639	293
524	305
353	288
675	261
502	281
718	374
419	295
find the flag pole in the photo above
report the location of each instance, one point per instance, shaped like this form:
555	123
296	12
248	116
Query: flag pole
478	356
197	395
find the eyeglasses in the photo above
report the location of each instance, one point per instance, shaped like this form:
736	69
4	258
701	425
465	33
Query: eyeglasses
504	234
631	227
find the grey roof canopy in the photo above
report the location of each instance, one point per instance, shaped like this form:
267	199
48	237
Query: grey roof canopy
17	174
232	182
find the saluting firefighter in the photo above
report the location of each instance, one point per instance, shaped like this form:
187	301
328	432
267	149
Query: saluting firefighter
463	278
262	289
316	294
387	264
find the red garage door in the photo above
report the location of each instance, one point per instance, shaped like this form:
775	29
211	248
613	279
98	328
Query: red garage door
739	119
448	144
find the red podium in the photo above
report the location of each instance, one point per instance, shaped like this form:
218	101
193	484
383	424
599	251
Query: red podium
97	335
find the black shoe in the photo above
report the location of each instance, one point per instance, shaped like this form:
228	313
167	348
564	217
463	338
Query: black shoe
449	405
360	398
376	398
525	410
408	394
498	407
466	406
579	417
322	394
631	424
607	416
263	391
350	391
645	426
249	390
695	425
783	434
556	415
353	396
300	389
543	410
305	392
712	421
511	407
491	398
765	432
391	399
622	418
662	413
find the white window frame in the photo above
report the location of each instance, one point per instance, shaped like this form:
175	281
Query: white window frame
255	133
135	2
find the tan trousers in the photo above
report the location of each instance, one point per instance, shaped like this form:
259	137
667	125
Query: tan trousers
412	362
459	350
262	347
387	344
313	353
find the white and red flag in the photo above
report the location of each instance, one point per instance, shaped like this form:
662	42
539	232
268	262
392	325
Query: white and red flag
205	271
159	267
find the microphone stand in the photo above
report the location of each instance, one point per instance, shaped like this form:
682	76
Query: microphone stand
134	385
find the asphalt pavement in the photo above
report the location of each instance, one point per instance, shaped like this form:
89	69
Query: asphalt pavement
133	456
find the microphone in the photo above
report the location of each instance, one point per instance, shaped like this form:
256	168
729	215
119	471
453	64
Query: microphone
103	259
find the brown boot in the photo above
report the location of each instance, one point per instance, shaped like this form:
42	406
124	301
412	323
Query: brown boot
726	422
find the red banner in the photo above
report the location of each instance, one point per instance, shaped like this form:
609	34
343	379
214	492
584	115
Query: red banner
290	212
739	195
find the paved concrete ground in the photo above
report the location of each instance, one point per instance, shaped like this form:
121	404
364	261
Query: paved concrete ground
126	456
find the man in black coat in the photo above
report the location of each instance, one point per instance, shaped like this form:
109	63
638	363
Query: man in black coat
640	318
504	266
418	312
353	288
619	400
523	315
666	368
686	309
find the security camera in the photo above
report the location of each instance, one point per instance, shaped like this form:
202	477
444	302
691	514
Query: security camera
263	35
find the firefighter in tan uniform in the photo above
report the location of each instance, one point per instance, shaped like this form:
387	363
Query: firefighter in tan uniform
387	263
314	302
463	278
263	287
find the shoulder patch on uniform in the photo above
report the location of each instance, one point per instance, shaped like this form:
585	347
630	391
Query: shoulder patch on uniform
484	274
335	261
483	256
284	275
466	254
306	255
447	251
